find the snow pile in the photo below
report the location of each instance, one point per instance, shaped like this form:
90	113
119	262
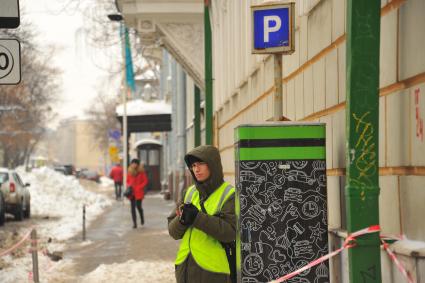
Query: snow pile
407	247
106	182
20	270
132	271
141	107
61	197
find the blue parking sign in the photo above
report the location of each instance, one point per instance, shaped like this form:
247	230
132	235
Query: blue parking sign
273	28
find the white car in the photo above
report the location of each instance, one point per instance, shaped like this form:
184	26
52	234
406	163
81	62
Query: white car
14	195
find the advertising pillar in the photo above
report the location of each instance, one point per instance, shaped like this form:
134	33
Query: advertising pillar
281	201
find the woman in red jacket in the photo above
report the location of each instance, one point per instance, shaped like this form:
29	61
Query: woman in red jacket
137	180
116	174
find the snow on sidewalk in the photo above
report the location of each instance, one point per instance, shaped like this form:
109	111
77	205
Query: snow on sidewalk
62	197
131	272
56	207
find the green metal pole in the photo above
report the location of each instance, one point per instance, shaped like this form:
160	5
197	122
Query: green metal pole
197	120
362	113
208	75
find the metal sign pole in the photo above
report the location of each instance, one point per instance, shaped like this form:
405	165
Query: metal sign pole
124	102
277	97
125	136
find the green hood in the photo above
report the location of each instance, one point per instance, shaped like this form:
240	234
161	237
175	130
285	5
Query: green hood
211	156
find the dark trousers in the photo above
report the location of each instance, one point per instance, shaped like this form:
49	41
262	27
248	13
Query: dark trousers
118	188
138	204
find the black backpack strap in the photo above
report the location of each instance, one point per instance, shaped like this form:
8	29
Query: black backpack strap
229	248
203	207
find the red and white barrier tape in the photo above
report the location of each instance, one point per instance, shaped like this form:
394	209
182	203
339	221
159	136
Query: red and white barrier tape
398	264
46	268
17	245
393	257
348	243
26	238
30	276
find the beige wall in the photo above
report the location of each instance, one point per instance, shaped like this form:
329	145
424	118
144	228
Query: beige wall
76	145
65	142
88	153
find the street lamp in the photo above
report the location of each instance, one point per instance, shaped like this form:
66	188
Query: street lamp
119	18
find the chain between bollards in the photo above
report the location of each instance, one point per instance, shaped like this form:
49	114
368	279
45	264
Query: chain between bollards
34	256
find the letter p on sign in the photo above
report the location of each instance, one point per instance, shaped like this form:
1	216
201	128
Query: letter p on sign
268	28
273	28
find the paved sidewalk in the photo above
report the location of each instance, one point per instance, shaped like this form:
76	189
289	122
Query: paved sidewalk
115	241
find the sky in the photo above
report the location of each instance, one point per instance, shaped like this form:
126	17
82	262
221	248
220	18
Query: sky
81	78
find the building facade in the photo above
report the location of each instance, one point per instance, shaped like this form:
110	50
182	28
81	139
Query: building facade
76	145
314	90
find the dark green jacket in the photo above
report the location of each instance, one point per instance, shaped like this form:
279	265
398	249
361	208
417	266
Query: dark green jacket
221	227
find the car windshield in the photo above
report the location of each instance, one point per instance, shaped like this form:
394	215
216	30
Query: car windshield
4	177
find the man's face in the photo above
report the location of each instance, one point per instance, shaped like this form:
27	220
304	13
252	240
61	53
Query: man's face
201	171
134	165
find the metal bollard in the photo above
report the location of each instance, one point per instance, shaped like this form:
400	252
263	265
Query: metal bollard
34	256
84	222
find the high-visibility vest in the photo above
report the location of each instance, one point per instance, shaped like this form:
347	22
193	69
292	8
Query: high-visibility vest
207	252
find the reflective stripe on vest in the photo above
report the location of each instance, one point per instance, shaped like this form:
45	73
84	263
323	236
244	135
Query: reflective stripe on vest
189	196
206	251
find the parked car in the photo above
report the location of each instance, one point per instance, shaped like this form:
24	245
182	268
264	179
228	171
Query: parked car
15	195
89	175
60	169
69	169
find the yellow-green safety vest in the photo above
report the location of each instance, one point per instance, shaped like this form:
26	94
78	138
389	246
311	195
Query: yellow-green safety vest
208	252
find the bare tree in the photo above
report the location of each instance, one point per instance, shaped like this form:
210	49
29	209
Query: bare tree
25	108
104	119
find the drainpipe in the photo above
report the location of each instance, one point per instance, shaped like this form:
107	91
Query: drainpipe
362	114
164	74
208	75
174	118
181	121
163	90
197	119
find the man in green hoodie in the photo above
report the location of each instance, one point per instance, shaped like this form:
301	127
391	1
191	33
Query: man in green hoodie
204	220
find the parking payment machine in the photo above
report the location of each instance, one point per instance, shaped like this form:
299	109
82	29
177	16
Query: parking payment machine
281	201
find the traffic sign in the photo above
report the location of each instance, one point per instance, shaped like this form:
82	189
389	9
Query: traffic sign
114	153
9	14
114	134
10	61
273	28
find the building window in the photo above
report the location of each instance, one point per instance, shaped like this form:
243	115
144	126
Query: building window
153	157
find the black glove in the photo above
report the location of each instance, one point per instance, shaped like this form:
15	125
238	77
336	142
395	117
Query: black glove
189	213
